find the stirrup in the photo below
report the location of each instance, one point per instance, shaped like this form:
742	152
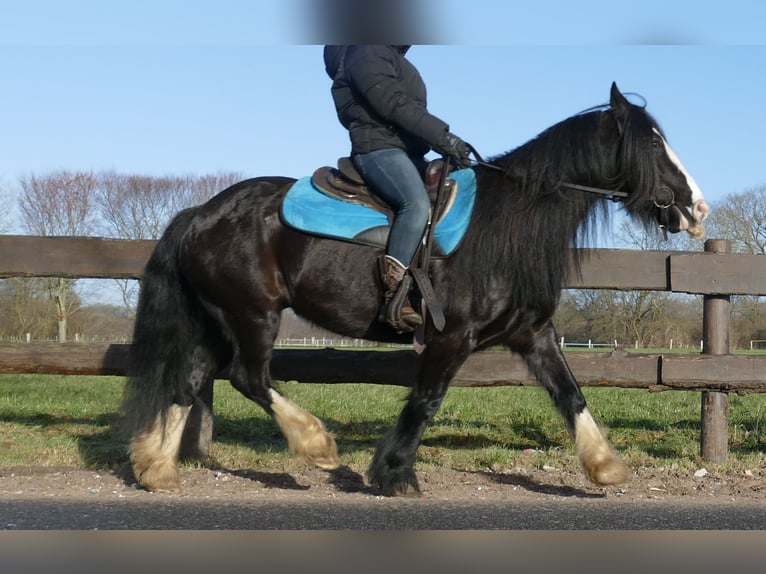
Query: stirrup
391	312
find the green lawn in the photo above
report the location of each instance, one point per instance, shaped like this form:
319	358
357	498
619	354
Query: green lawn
49	420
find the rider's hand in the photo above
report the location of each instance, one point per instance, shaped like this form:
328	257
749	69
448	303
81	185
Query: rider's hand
454	148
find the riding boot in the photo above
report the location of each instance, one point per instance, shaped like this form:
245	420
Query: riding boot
397	310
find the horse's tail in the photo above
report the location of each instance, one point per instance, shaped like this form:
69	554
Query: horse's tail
167	326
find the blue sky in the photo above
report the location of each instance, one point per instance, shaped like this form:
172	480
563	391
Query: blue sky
178	87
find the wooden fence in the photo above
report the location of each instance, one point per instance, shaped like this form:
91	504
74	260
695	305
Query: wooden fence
715	273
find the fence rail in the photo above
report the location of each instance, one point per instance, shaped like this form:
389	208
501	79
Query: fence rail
715	273
707	273
741	374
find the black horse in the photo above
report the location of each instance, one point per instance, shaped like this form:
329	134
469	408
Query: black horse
215	286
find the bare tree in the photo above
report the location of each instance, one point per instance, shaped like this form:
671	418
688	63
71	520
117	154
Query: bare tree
25	308
140	207
626	316
59	203
103	322
570	322
741	218
137	206
206	186
6	214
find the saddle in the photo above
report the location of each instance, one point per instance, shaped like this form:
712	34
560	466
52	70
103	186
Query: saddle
346	184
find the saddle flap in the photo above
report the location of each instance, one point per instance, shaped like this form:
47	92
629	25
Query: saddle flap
431	179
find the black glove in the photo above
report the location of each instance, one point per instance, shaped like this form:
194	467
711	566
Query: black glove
454	148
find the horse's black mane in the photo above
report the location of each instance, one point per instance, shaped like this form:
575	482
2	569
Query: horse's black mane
541	219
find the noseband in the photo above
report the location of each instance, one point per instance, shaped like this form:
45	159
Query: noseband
617	195
663	219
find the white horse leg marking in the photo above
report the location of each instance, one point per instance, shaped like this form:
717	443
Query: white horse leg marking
599	461
154	453
305	434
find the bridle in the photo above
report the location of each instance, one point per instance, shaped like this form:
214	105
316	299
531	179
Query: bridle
617	195
613	194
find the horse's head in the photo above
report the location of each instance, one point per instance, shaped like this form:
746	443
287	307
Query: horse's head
660	190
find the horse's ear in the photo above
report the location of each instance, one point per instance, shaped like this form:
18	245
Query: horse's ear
619	106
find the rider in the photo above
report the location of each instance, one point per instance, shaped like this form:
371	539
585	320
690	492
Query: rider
381	99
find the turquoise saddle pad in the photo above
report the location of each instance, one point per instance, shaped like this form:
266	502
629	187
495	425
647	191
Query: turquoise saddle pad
307	209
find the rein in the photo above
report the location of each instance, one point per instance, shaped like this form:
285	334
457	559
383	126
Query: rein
615	195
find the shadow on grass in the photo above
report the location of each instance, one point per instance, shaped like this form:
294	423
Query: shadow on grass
651	425
456	433
655	439
263	435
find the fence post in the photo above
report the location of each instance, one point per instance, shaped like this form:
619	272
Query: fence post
714	438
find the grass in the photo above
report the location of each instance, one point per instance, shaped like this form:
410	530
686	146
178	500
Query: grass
64	421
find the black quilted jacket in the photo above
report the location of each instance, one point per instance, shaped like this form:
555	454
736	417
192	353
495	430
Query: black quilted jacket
381	99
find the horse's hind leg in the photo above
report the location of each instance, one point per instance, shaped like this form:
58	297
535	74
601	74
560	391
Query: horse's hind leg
154	451
599	461
198	433
306	435
155	444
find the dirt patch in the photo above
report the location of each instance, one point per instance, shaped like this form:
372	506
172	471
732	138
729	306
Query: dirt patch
349	485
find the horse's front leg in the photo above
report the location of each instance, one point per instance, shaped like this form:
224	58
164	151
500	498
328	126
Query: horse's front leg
392	468
599	461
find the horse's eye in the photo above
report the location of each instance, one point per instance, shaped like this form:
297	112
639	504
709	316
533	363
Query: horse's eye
656	144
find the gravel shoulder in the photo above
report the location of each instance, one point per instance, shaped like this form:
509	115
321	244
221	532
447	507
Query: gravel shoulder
304	484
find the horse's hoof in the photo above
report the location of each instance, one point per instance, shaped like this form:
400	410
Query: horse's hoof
159	481
401	484
164	489
400	491
327	464
610	473
598	459
322	452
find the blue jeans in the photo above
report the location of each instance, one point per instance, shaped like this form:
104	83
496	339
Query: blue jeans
396	177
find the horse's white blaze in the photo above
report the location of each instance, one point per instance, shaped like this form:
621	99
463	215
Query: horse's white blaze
306	435
596	455
700	209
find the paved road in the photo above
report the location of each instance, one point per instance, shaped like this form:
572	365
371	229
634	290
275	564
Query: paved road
377	535
408	514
